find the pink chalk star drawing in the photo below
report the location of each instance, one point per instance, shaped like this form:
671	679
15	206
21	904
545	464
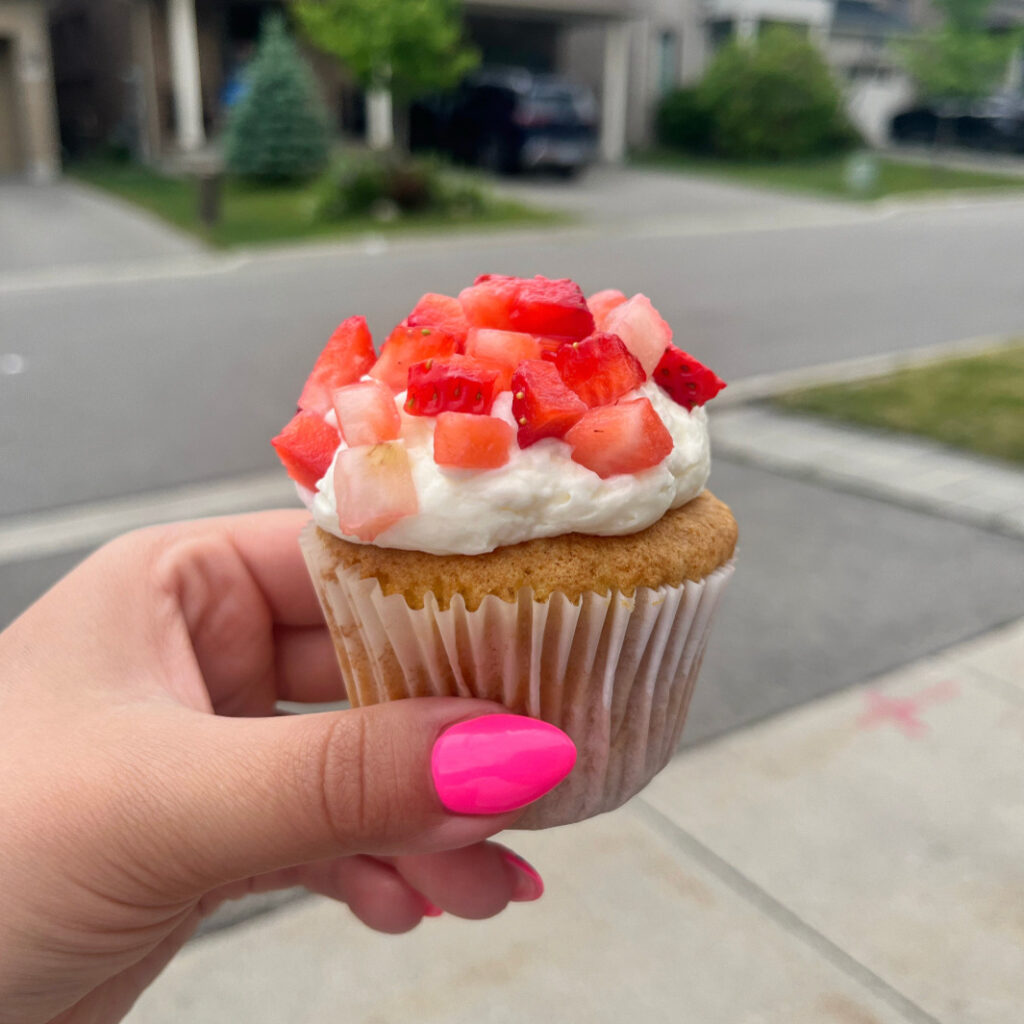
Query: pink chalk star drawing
904	712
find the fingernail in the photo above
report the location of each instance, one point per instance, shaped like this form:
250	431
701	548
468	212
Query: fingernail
529	884
431	909
499	763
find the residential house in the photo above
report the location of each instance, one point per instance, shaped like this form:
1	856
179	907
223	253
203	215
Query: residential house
153	76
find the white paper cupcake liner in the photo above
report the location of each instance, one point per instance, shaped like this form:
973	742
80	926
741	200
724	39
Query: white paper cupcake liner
614	672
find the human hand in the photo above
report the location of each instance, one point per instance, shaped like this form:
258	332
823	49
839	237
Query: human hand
146	781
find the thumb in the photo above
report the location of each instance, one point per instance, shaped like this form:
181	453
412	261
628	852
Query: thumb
247	796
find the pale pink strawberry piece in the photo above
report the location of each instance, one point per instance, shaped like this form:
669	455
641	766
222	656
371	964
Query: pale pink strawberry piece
642	329
367	413
509	348
624	438
373	488
602	303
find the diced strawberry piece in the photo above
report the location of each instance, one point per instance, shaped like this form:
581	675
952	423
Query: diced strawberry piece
471	442
688	381
505	348
602	303
640	326
442	312
623	438
541	403
367	413
373	488
490	301
347	355
406	346
600	369
539	305
306	446
553	308
455	384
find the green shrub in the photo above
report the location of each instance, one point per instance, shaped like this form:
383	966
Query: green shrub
683	121
278	129
774	99
391	184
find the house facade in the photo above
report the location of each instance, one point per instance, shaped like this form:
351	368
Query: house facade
153	76
29	143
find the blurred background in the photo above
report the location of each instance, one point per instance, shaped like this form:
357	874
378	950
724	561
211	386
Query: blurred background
825	199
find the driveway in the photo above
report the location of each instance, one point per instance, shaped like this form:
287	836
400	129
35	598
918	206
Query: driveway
608	195
65	224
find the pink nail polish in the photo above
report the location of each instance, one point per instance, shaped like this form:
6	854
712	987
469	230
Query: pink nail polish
499	763
529	884
431	909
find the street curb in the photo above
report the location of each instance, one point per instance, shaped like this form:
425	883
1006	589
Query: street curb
769	385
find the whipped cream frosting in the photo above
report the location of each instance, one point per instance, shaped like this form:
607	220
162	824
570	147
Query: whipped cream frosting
539	492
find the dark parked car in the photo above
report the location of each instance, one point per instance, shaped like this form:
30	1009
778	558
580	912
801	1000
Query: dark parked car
511	120
996	123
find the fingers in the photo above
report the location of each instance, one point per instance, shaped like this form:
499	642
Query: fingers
307	667
474	882
374	891
236	798
268	544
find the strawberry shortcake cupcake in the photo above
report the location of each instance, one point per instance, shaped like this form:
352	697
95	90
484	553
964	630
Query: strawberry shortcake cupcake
509	502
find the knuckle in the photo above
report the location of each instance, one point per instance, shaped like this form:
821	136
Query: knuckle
360	782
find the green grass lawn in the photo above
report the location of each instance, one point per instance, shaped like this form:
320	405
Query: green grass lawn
829	175
253	214
976	402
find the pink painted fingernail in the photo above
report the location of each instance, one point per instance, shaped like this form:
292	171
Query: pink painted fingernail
529	884
499	763
431	909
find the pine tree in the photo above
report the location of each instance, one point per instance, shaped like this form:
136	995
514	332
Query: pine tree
278	130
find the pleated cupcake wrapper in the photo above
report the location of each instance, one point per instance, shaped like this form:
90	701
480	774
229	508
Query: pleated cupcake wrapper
615	672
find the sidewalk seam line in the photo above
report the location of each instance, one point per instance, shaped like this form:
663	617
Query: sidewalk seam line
783	916
994	684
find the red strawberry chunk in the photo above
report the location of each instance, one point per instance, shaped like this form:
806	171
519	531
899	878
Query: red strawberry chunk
347	355
306	447
536	305
373	488
465	441
624	438
442	312
490	301
455	384
600	369
405	347
541	403
553	308
367	413
688	381
641	327
602	303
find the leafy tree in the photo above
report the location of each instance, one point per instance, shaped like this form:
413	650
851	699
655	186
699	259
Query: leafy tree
954	65
960	61
773	99
278	129
403	47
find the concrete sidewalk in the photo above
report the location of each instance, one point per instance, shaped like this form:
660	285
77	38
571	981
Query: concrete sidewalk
855	861
65	224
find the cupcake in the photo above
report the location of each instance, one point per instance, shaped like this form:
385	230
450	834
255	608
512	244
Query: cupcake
509	503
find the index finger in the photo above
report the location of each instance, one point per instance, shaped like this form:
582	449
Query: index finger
268	544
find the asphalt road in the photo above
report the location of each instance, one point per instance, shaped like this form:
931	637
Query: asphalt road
144	382
145	376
